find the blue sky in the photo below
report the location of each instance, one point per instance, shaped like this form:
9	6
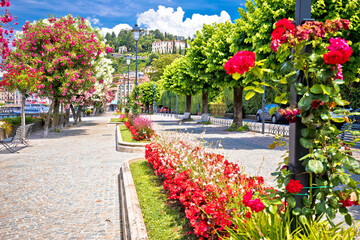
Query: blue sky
109	13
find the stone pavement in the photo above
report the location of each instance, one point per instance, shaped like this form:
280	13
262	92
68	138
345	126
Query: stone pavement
64	186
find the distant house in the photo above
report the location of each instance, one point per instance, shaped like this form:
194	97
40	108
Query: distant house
168	46
122	49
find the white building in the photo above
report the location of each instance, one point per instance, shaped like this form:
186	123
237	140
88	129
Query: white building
122	49
167	46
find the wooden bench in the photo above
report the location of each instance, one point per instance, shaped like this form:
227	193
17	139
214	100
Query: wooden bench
186	116
347	136
205	117
20	137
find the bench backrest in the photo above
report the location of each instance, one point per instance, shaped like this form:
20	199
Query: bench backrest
347	136
186	115
205	117
22	132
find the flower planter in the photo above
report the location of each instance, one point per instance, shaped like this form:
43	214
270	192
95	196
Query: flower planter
133	226
122	146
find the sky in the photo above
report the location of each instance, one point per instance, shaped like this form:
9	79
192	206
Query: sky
177	17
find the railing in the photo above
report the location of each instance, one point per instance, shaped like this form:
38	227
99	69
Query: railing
253	126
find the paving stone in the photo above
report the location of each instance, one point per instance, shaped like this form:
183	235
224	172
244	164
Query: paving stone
64	186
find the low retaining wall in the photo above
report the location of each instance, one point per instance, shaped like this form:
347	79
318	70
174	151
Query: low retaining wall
122	146
133	226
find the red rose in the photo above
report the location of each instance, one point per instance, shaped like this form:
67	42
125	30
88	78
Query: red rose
277	33
240	62
346	203
333	57
294	186
246	198
248	215
316	104
285	23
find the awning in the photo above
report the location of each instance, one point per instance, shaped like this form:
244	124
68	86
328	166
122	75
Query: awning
113	102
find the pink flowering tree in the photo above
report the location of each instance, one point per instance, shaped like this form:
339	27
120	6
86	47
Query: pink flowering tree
64	51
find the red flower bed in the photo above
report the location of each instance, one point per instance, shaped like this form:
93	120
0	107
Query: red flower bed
210	188
140	128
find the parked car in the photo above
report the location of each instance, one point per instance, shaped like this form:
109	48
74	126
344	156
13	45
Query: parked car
164	109
275	117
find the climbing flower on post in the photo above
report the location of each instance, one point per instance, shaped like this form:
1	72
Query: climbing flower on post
294	186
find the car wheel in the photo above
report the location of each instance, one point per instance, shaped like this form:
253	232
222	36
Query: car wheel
273	119
258	119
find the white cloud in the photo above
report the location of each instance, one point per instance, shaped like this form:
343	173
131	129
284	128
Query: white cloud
170	21
94	21
116	29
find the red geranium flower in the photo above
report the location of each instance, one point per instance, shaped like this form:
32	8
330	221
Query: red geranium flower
333	57
316	104
294	186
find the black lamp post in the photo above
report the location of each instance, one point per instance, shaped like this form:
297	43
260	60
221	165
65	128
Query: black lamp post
136	34
128	59
124	75
296	151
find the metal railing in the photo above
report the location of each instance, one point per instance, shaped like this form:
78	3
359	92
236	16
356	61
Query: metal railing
253	126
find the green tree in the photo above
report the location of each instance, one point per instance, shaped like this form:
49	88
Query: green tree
147	91
176	77
158	65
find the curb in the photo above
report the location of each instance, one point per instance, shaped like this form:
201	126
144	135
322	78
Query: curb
133	226
122	146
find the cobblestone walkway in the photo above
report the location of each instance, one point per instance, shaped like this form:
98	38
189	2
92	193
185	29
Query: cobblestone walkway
64	186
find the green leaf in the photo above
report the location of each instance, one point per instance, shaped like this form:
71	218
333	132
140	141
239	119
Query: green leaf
339	101
247	88
303	219
344	178
249	95
315	166
266	202
324	115
305	102
306	211
306	201
236	76
259	90
331	212
299	88
305	132
291	201
296	211
273	209
316	89
320	207
348	219
343	210
350	163
305	143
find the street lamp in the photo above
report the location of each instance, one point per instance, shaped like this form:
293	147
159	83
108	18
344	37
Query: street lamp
128	59
124	75
136	33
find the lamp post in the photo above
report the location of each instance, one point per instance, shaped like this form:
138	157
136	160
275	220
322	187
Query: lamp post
128	59
124	75
136	34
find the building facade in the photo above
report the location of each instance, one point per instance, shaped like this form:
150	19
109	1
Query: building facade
168	46
9	97
122	49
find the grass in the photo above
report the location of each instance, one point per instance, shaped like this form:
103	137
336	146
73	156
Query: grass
127	136
164	218
117	120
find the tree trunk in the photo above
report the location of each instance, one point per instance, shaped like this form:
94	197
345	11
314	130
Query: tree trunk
74	113
238	91
62	115
67	117
23	99
188	103
205	96
94	110
47	120
55	122
79	113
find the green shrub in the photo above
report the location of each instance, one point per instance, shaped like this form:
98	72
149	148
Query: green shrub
218	109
